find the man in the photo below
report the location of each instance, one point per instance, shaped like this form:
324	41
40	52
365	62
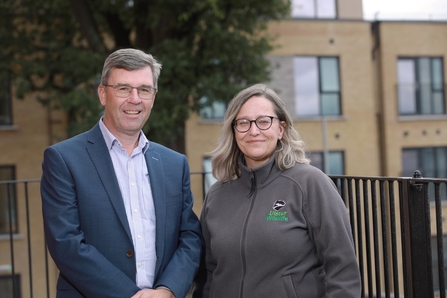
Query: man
117	208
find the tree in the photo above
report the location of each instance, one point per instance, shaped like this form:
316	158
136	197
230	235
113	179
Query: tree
209	49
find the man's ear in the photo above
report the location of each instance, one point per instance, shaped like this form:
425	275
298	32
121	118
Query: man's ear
102	94
153	100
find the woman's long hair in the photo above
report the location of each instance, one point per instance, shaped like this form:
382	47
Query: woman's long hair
289	150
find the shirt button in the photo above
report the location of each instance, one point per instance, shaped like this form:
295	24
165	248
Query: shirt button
129	253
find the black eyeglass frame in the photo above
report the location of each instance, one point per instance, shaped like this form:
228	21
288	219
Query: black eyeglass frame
114	87
255	122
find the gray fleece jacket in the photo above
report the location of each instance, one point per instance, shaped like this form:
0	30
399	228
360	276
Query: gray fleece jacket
273	233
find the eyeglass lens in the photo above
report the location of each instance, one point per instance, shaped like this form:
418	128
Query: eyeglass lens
125	90
262	122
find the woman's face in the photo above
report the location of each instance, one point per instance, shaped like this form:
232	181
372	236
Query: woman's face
258	145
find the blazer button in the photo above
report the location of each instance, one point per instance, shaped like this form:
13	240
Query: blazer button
129	253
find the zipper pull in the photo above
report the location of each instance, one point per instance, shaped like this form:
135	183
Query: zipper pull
253	182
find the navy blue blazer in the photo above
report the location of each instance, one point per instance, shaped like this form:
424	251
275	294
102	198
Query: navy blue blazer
86	227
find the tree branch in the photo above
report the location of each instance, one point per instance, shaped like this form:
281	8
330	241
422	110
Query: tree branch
88	25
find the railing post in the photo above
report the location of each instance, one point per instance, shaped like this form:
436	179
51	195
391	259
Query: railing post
419	264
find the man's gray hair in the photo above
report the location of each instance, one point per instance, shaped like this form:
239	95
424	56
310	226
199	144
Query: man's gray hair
130	59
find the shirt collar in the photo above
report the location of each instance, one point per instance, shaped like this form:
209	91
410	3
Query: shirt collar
111	140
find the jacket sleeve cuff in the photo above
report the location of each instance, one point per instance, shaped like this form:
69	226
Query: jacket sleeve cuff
166	288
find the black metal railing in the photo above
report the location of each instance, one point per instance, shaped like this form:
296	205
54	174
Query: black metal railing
20	233
393	232
397	230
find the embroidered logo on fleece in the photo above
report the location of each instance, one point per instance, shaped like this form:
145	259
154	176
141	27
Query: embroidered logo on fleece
276	214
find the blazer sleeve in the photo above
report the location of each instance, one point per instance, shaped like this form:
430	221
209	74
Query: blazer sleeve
82	266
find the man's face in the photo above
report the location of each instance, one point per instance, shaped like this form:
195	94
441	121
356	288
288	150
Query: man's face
125	117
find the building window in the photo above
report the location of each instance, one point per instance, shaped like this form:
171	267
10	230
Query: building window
420	86
5	100
8	214
314	9
208	178
336	162
215	110
9	287
430	161
317	86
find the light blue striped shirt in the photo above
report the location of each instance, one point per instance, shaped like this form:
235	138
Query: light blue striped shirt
133	179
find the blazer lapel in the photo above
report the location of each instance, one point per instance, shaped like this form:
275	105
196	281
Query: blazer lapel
156	176
100	157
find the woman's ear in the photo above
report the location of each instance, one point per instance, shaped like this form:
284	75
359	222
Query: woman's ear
282	128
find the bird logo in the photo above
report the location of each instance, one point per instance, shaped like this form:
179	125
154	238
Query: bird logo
278	205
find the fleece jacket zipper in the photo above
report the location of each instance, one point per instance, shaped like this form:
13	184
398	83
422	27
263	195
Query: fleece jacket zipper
251	196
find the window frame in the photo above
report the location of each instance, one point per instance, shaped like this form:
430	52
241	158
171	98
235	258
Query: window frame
415	88
320	155
216	109
15	285
420	161
6	115
299	97
10	191
208	178
315	12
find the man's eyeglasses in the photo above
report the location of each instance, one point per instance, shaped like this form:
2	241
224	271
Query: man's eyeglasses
262	122
123	91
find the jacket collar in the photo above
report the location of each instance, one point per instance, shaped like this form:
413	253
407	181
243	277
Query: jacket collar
99	153
258	177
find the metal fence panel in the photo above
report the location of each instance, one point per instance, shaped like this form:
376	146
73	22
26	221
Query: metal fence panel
397	225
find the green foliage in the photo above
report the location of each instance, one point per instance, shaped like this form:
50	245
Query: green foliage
209	48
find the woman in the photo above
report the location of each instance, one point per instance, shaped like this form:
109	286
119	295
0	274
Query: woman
273	225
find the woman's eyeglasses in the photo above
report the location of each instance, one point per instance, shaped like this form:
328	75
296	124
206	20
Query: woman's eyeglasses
262	122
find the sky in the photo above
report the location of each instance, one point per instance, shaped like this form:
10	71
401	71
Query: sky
405	9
